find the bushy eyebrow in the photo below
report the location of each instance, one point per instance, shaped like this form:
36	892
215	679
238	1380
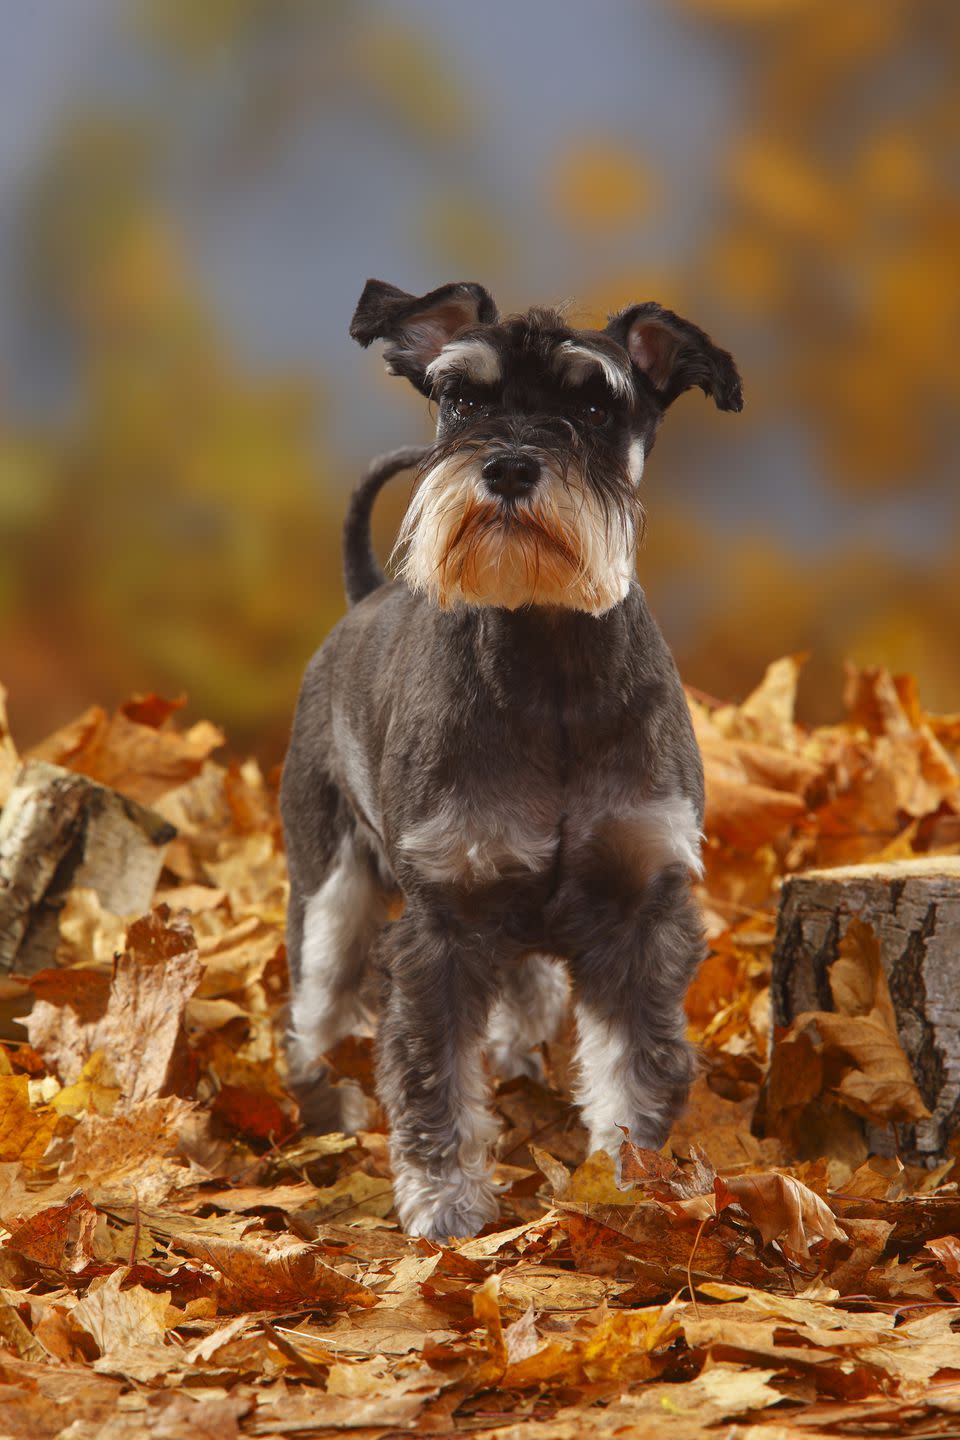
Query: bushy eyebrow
474	360
575	363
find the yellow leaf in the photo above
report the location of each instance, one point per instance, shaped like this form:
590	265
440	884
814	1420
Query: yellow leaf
25	1132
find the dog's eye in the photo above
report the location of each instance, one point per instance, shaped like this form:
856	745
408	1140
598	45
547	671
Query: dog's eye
464	406
595	414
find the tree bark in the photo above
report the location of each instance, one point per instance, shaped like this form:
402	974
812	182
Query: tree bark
59	829
913	907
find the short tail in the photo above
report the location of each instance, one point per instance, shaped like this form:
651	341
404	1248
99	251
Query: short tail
361	570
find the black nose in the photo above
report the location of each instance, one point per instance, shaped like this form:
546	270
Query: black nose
511	475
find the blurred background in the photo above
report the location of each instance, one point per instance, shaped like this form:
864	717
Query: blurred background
192	193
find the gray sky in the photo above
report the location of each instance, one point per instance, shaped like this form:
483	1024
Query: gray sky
284	251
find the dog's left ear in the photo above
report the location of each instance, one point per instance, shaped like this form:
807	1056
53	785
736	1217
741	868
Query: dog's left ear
675	355
416	327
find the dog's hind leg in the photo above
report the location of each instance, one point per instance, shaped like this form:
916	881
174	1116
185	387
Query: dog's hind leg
337	906
529	1008
430	1076
339	922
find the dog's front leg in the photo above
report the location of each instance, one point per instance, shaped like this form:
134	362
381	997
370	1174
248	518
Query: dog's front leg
430	1076
630	972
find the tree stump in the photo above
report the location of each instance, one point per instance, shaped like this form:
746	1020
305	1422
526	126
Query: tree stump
59	829
913	908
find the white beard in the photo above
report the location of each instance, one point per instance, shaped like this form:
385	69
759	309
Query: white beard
560	546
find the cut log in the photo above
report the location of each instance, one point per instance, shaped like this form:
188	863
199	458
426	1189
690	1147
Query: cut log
913	908
59	829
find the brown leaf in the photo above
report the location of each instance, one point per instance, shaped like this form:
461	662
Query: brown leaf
252	1112
521	1338
782	1209
280	1276
14	1334
127	1326
140	1028
59	1237
552	1291
135	751
667	1178
391	1407
852	1055
947	1250
134	1152
27	1415
352	1197
746	815
767	714
853	1274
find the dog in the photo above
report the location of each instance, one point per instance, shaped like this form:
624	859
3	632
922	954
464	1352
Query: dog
499	738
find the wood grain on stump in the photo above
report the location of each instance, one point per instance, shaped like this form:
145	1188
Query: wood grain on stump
913	907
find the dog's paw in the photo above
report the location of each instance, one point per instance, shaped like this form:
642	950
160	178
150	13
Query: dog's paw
457	1204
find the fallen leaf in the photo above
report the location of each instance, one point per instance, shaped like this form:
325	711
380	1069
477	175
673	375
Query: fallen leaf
767	714
25	1130
134	751
782	1209
279	1276
852	1055
218	1275
138	1023
127	1326
14	1334
59	1237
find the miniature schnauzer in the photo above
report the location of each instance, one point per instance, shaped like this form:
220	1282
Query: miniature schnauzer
499	740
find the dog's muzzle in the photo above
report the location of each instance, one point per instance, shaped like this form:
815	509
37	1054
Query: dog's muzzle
510	475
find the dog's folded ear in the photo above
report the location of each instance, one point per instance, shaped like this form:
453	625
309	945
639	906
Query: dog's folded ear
675	355
416	327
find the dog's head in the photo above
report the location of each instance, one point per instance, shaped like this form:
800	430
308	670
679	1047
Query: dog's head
530	495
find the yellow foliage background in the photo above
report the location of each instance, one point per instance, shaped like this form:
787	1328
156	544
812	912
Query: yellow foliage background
171	519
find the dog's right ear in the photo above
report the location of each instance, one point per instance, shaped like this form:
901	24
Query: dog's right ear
416	328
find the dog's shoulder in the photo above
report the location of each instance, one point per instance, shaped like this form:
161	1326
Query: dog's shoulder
649	659
657	702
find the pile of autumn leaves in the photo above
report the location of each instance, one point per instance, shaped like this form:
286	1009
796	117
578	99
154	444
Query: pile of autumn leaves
179	1258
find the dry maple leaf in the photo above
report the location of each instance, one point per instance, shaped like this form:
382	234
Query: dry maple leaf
128	1326
136	1018
59	1237
25	1130
747	816
135	751
947	1250
136	1151
852	1055
575	1311
767	714
282	1276
782	1209
665	1177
